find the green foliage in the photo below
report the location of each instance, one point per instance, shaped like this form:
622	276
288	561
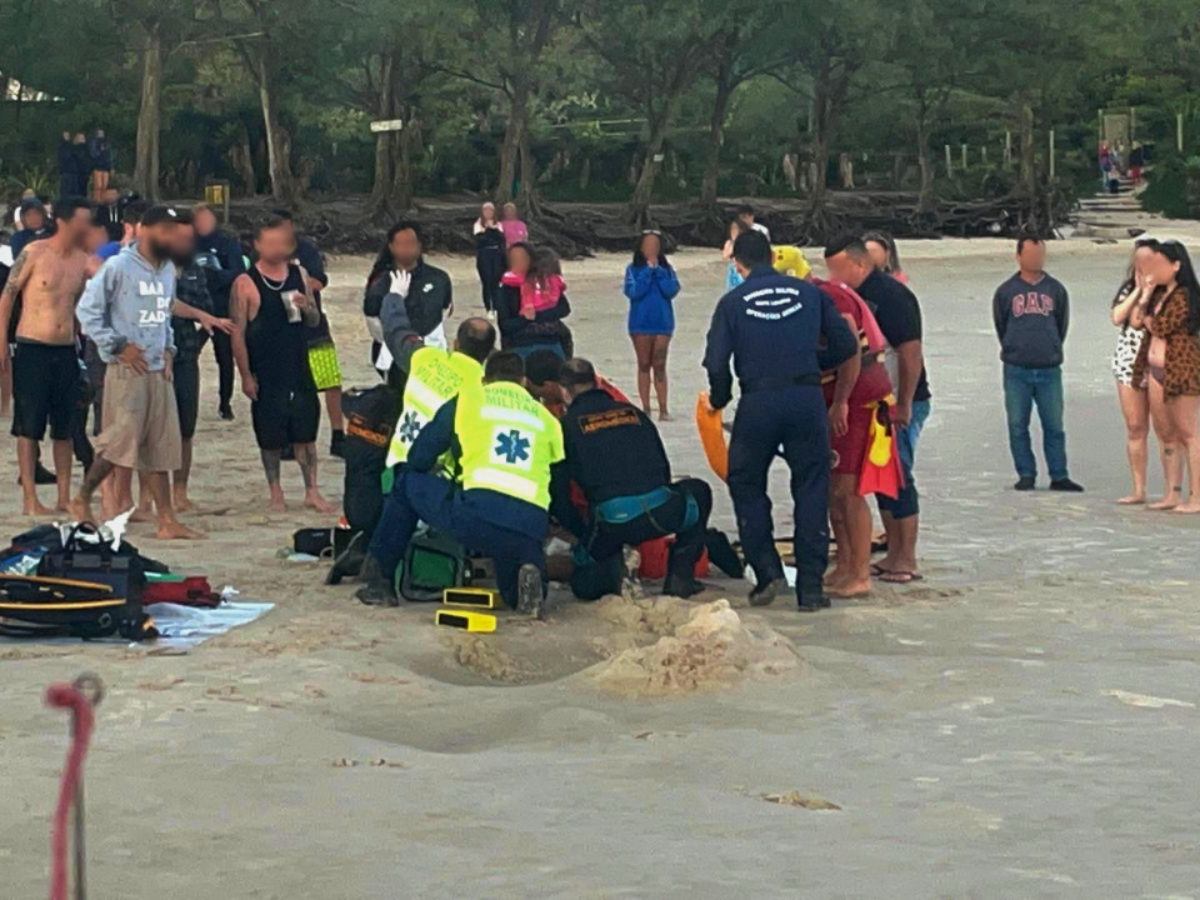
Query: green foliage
602	86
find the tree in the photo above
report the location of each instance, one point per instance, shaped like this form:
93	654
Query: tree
661	48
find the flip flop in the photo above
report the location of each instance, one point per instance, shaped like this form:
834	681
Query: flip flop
900	577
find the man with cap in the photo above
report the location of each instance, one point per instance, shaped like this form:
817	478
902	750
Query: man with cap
126	310
34	225
780	333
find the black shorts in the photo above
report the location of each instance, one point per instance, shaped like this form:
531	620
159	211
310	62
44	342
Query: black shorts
187	395
283	417
45	388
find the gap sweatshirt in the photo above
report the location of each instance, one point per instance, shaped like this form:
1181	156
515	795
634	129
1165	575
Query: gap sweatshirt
1031	321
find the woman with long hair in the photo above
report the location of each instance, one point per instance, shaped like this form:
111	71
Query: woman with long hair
1171	360
533	302
651	285
101	155
489	255
881	247
1133	396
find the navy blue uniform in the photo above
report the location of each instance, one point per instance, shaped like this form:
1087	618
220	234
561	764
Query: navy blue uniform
772	326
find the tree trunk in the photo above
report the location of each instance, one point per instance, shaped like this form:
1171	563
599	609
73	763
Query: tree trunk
518	113
401	196
279	168
1028	162
529	195
385	140
925	195
149	123
716	137
245	163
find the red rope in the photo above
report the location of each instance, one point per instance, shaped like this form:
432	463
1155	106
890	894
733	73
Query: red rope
65	696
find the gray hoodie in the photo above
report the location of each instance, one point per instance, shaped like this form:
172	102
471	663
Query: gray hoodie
129	302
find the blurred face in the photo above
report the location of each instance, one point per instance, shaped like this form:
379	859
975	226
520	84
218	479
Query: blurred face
487	212
100	133
274	245
111	196
1143	259
1032	257
33	219
405	248
746	219
849	270
81	138
97	237
510	211
878	254
66	135
1163	269
651	246
519	260
183	245
159	239
205	221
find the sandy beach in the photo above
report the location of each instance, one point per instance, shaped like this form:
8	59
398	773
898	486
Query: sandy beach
1013	726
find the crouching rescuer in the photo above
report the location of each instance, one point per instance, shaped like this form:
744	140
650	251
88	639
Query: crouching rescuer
615	455
505	442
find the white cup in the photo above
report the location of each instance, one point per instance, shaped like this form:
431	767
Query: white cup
293	310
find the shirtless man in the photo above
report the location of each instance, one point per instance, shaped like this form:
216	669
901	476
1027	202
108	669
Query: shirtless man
49	275
273	308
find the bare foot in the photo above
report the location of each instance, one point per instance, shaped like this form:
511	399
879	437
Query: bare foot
1192	508
36	508
177	531
314	500
836	577
277	504
664	416
848	590
181	502
63	506
81	510
1133	500
143	514
1168	502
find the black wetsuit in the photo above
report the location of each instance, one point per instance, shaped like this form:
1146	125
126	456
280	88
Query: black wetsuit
287	410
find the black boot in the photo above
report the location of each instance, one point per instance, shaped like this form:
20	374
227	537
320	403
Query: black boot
722	555
767	590
378	589
811	597
681	586
350	561
225	411
531	592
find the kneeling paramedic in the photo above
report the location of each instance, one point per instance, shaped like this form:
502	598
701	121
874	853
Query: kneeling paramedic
780	333
505	442
615	455
434	378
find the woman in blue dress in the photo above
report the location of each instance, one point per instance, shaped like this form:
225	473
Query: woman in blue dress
651	284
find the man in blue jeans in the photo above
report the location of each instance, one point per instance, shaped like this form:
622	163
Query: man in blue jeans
1031	312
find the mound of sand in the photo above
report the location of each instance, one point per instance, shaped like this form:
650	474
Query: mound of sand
701	647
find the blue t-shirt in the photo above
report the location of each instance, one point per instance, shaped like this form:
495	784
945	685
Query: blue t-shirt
109	250
650	290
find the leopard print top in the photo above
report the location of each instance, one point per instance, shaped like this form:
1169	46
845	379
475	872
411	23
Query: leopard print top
1182	369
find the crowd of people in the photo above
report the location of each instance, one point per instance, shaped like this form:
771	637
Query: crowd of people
505	435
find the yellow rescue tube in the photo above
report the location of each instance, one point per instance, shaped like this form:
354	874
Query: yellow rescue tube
712	436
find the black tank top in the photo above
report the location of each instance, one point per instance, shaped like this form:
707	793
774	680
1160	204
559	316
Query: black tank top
278	348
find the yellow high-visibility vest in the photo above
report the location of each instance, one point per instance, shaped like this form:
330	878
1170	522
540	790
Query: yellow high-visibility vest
509	441
434	378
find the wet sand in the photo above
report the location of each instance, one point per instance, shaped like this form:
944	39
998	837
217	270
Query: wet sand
1014	726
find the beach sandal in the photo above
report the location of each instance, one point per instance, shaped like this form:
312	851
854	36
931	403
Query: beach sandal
900	577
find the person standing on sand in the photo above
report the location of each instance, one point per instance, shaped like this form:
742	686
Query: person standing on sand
515	230
732	277
1171	360
100	155
1031	312
898	314
273	310
126	310
220	255
882	248
651	285
745	215
490	244
1134	398
49	276
544	330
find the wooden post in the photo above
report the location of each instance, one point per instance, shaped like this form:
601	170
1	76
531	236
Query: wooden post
1051	152
1132	122
949	161
1179	132
983	153
1100	118
964	156
1008	148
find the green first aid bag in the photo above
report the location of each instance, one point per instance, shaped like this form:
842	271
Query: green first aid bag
432	563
